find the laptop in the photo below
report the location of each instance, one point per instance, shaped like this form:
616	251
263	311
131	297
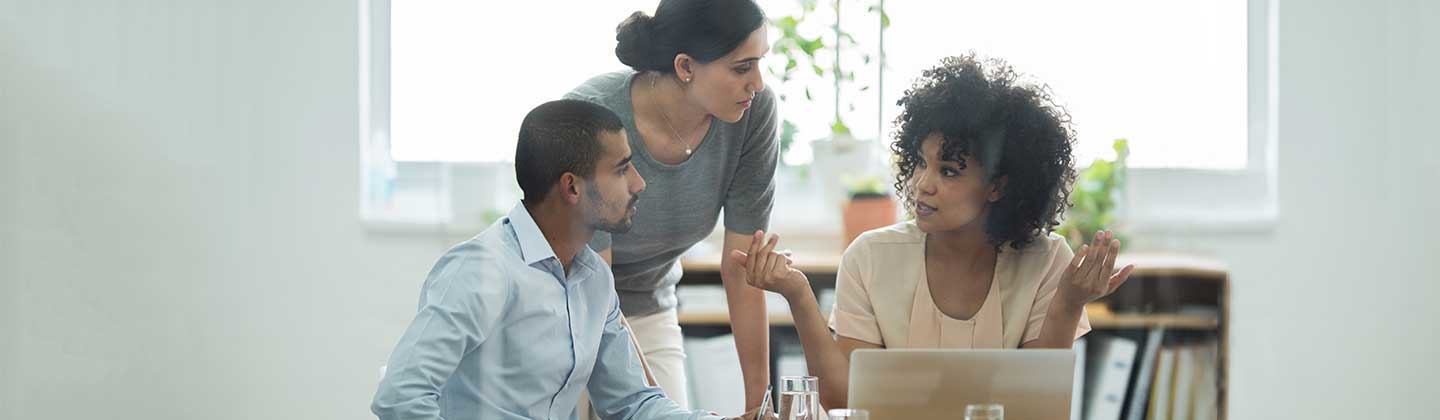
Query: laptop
938	383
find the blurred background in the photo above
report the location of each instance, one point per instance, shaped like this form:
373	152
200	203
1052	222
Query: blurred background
225	210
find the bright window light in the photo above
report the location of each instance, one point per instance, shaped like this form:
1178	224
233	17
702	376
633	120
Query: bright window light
465	72
1170	76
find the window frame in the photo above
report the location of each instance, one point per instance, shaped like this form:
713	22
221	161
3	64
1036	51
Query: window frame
1184	200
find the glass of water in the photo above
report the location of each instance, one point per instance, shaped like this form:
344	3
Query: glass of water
849	414
799	398
984	412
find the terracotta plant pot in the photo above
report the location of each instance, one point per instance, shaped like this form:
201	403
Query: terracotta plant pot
865	212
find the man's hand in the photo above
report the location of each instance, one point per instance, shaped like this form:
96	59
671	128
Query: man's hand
766	269
754	415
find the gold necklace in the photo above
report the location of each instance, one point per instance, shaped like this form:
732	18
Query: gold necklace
656	98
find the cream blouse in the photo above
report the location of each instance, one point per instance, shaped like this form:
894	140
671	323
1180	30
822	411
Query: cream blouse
882	296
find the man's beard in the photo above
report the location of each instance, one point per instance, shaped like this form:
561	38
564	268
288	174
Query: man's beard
622	225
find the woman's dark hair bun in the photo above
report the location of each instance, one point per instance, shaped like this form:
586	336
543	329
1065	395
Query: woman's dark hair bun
706	30
636	41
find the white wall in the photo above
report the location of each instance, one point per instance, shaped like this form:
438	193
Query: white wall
187	200
9	236
1334	312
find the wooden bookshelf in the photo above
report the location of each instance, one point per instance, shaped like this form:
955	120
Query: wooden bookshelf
1102	317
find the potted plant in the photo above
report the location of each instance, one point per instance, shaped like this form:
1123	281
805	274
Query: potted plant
871	206
799	53
816	53
1098	189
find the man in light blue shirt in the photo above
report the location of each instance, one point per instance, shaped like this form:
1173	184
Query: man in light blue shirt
516	321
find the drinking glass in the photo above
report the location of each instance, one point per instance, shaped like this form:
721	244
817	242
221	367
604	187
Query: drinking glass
799	398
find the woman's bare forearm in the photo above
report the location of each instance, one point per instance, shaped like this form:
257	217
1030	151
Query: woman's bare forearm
824	358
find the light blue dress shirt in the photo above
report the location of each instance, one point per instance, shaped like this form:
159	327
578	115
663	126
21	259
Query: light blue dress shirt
503	333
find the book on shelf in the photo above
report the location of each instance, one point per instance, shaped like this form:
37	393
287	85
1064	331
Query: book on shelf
1207	389
1077	392
1185	373
1186	382
1163	386
1144	375
1108	374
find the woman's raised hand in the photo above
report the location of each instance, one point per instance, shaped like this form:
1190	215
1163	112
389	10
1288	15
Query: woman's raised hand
770	270
1091	274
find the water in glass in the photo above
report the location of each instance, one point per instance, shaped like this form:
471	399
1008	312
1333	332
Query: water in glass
799	398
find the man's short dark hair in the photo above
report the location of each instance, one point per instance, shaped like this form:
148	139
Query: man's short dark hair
558	137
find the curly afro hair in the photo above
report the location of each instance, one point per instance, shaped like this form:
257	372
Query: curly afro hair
1014	129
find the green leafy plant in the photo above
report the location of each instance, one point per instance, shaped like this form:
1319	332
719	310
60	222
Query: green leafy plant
1097	190
798	50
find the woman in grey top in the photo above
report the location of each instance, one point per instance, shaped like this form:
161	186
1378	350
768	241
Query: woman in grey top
702	129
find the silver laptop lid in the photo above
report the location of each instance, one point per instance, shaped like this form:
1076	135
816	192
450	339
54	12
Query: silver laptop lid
939	383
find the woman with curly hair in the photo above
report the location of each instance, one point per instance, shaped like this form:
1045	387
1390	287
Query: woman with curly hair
985	166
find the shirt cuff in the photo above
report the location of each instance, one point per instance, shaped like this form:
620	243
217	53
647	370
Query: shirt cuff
1084	326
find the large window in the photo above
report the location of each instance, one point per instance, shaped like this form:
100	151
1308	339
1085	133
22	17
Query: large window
1190	84
1167	75
463	72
